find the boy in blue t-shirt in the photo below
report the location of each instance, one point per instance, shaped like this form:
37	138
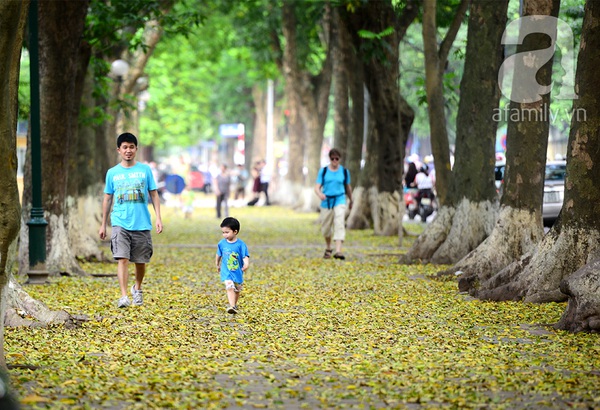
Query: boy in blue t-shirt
232	261
130	183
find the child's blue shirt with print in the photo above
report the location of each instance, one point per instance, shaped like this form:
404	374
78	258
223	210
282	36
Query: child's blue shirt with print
232	259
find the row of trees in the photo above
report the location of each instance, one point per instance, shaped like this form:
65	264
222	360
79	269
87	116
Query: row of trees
499	247
491	243
503	254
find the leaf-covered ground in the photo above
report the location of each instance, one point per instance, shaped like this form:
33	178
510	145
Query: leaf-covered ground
311	333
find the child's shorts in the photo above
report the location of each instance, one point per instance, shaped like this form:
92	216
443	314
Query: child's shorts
229	284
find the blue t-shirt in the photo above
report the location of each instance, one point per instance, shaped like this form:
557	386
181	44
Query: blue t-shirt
232	259
333	187
130	189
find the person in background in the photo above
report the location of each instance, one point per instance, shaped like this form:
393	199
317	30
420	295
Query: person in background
265	179
188	198
424	183
240	178
222	190
332	188
132	183
255	184
409	177
232	260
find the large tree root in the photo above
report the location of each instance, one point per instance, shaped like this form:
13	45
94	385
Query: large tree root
536	277
454	233
430	240
386	212
23	310
583	290
516	233
471	224
360	214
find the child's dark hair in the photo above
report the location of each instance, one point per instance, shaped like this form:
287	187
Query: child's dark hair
231	223
126	137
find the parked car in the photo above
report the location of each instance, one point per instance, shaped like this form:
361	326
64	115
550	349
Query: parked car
554	188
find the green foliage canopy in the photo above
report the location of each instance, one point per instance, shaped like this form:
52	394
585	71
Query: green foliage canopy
201	81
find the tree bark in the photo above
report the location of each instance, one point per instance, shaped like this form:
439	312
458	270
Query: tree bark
380	58
59	45
308	99
341	111
471	206
360	216
259	142
289	68
574	240
357	118
519	227
13	16
583	290
434	89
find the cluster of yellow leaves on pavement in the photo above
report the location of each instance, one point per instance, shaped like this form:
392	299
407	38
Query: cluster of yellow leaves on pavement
311	333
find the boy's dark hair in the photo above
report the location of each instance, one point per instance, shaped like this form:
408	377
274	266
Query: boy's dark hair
126	137
231	223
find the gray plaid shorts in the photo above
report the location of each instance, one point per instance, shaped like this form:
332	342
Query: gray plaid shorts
136	246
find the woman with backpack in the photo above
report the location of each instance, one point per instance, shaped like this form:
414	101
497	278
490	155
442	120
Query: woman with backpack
332	187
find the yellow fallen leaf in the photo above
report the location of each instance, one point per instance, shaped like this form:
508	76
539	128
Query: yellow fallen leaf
34	398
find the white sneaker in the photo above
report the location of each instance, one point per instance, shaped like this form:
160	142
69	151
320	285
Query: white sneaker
137	296
232	310
123	302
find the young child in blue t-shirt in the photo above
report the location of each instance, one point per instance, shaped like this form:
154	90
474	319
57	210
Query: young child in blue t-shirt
232	261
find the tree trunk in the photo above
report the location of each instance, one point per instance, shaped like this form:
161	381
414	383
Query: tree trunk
472	196
295	174
131	86
382	73
382	201
354	150
519	228
259	142
312	93
341	112
360	216
583	309
574	241
59	64
434	87
13	16
315	98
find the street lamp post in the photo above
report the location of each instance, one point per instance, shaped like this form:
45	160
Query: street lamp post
119	69
37	273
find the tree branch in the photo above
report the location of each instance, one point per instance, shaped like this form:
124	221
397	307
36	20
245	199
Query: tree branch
409	13
452	32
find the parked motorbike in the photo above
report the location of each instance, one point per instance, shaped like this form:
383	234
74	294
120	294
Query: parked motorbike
426	203
410	199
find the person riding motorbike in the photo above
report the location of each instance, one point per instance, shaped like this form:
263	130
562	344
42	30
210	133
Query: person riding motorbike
425	196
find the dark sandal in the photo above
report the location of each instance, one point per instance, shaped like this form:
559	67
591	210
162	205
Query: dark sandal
327	254
339	256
